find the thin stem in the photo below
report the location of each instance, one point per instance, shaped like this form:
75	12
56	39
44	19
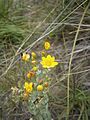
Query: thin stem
70	62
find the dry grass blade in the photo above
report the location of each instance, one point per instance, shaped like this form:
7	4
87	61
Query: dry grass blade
70	62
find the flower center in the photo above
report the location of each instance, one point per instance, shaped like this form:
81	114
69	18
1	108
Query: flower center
48	63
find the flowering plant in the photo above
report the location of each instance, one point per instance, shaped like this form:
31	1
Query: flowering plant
34	90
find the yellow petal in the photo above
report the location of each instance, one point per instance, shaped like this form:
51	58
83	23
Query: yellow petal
30	84
48	56
26	85
54	64
43	58
28	56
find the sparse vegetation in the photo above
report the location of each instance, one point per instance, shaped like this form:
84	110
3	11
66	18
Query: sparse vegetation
24	27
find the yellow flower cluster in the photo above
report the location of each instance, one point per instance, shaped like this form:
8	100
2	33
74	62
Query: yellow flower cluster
36	84
29	87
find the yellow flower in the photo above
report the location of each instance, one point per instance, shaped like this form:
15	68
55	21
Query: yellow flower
35	68
25	57
30	74
33	54
47	45
48	62
43	53
28	87
39	87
